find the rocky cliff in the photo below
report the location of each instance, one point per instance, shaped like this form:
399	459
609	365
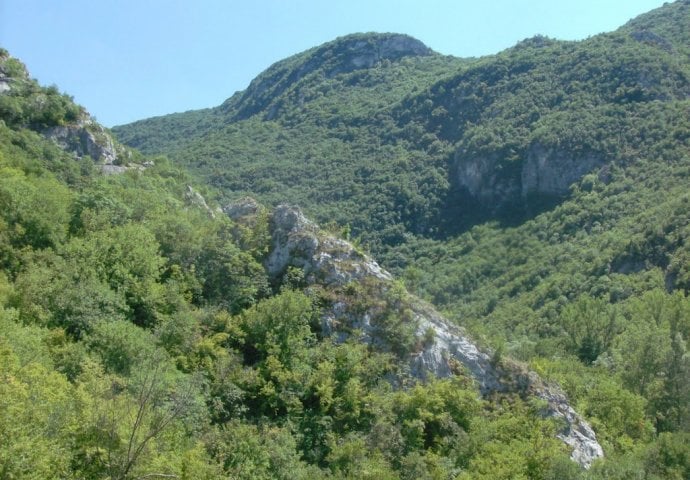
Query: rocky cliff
25	104
365	300
544	170
88	138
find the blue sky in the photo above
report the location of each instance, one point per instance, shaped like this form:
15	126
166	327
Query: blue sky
130	59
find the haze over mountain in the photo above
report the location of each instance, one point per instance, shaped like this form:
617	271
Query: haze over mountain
159	321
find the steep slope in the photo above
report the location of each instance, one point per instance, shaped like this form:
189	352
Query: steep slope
289	84
428	145
435	348
537	117
537	197
25	104
266	94
145	334
335	110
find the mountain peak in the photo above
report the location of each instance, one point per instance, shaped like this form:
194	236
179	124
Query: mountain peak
666	27
343	55
365	50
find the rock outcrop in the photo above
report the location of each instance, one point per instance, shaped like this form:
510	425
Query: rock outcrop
325	259
552	171
355	52
4	82
86	138
451	343
75	131
543	171
342	55
481	178
440	346
7	75
197	200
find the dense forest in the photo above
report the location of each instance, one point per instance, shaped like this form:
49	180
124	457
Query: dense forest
537	197
143	337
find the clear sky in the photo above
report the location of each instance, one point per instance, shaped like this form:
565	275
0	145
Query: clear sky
130	59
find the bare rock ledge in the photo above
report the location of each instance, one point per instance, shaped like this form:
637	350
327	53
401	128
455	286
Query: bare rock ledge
335	263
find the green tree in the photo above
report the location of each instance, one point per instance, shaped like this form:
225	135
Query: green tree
591	325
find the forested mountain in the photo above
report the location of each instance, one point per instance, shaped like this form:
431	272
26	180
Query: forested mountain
148	333
158	323
538	196
415	143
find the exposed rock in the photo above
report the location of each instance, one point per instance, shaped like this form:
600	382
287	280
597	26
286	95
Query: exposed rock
9	75
343	55
85	139
360	53
298	242
196	199
88	138
544	170
552	171
4	83
481	178
242	208
337	265
651	38
113	169
577	434
450	342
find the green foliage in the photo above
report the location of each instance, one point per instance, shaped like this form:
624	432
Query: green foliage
381	148
128	261
142	338
37	418
515	446
396	325
591	326
670	457
28	104
34	210
247	452
278	327
121	346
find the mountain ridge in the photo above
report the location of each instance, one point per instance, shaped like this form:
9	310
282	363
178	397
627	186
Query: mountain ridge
482	144
104	271
342	55
154	326
535	197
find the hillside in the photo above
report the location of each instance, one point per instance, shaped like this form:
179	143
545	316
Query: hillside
538	197
428	145
149	332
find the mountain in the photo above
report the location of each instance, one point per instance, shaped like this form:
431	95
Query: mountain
428	145
537	197
148	332
154	326
331	113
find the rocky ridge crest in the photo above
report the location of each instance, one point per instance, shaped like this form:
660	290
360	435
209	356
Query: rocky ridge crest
75	131
439	347
342	55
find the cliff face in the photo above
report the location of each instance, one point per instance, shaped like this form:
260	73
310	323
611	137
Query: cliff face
87	138
551	171
364	300
411	136
545	170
